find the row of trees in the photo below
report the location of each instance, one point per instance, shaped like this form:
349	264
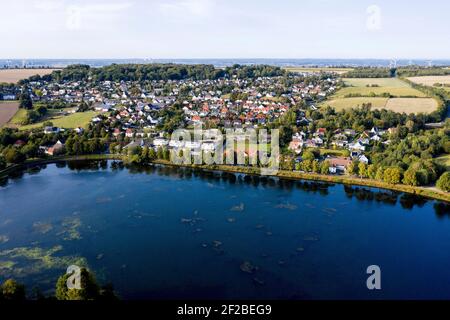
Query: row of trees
407	71
157	71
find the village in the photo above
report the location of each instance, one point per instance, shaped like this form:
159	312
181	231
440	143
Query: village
143	114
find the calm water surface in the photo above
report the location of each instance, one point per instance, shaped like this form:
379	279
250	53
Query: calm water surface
174	233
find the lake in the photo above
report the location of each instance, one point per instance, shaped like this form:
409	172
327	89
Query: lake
176	233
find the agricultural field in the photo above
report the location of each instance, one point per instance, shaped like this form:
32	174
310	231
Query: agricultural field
347	103
378	86
79	119
339	71
412	105
7	111
14	75
406	105
369	90
431	80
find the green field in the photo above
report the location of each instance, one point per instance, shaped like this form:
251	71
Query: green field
365	87
369	90
19	117
80	119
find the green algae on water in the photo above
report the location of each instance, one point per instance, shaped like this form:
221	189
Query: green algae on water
24	261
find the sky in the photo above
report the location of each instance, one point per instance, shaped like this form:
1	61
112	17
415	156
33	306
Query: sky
172	29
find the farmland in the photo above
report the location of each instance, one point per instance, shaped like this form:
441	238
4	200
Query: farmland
392	86
431	80
7	111
340	71
347	103
412	105
383	93
14	75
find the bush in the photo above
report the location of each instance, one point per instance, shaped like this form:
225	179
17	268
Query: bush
12	291
444	182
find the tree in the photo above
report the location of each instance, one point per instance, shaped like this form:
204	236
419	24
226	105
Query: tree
325	167
89	288
411	177
145	155
315	166
12	155
392	175
444	182
362	170
166	154
352	168
308	155
160	153
380	174
25	101
12	290
371	171
152	154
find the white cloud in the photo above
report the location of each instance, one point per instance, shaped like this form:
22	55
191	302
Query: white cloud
374	18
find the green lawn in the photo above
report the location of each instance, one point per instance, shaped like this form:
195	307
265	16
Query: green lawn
80	119
19	117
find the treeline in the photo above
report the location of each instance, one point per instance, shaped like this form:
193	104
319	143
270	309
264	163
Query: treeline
12	290
254	71
384	72
157	72
371	72
422	71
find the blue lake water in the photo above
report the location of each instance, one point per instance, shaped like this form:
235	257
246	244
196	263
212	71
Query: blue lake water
176	233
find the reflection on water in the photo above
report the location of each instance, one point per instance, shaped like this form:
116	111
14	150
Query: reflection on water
407	201
168	232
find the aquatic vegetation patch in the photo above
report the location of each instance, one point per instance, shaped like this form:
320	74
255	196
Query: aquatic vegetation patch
6	265
3	239
42	227
71	226
25	261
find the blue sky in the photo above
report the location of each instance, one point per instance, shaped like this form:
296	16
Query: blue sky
224	29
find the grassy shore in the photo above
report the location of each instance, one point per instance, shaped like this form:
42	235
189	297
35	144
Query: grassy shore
431	193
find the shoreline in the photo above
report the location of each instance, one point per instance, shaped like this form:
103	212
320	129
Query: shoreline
290	175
